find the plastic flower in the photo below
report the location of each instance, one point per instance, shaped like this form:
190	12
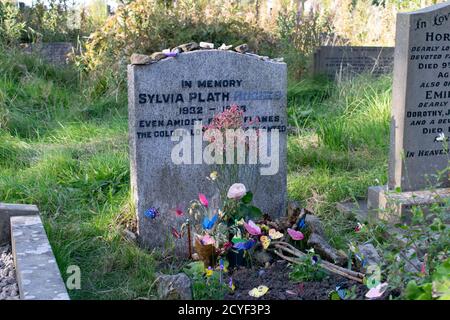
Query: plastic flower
440	137
231	284
358	227
236	191
213	175
202	199
295	235
207	240
227	245
151	213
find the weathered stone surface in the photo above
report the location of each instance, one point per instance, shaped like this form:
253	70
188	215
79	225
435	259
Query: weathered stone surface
370	254
7	211
225	47
37	272
206	45
397	207
325	250
314	224
137	58
174	287
129	235
227	78
156	56
53	52
343	62
243	48
420	99
189	46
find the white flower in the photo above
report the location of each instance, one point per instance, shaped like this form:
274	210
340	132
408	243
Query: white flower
440	137
236	191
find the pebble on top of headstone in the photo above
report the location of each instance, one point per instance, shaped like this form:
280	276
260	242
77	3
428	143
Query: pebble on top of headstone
176	92
421	94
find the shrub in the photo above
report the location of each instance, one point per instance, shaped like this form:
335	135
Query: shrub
147	26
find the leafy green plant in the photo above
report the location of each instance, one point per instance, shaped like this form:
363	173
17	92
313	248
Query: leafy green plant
414	253
206	284
11	27
438	288
308	269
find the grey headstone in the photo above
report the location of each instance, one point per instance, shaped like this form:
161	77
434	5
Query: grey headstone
257	85
421	96
53	52
344	62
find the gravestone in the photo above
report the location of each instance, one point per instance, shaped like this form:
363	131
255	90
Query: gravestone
344	62
53	52
176	92
420	113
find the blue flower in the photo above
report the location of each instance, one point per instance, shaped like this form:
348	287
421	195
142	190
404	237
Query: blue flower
208	224
244	245
301	223
151	213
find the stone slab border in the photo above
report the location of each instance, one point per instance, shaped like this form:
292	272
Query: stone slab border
37	272
10	210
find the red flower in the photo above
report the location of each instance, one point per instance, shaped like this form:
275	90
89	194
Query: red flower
227	245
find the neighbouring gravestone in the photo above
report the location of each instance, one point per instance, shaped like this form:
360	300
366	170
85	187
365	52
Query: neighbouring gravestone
344	62
420	113
53	52
174	93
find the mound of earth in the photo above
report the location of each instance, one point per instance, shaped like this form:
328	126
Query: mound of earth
276	277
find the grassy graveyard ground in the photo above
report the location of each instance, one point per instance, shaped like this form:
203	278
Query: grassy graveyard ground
63	146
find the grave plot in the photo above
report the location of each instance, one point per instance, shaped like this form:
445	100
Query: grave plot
197	120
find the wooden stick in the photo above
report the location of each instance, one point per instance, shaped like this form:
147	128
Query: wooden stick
344	274
356	276
298	253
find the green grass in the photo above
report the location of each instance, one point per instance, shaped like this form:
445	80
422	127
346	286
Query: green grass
342	145
64	147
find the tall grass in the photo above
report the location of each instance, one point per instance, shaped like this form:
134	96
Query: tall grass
341	145
63	147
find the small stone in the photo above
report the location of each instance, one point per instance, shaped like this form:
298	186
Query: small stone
188	47
129	235
243	48
325	250
206	45
138	59
174	287
278	59
225	47
314	224
370	254
156	56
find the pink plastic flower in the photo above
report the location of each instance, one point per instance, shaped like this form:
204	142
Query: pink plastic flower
203	199
295	235
236	191
252	228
